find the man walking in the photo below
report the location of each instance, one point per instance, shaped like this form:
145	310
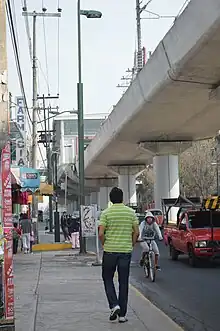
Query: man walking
26	232
118	232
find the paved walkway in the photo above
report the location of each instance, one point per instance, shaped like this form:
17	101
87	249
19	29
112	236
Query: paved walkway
57	291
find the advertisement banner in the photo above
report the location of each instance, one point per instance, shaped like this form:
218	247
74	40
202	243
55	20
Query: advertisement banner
30	179
8	239
21	146
88	221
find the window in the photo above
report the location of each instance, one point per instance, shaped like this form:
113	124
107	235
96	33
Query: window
91	126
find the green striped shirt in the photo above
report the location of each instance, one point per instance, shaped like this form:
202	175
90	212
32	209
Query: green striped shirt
119	222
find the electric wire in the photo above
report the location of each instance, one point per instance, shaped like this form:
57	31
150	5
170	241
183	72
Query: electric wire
45	52
24	5
15	49
58	51
17	60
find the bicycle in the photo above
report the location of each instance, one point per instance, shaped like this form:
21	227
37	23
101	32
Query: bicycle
149	261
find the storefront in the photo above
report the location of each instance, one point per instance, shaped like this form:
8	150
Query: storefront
25	182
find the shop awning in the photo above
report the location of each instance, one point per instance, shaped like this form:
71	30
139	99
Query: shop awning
46	189
15	174
29	178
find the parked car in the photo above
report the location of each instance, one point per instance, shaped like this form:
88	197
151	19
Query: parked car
197	234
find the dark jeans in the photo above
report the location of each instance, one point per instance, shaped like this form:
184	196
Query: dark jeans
15	246
121	262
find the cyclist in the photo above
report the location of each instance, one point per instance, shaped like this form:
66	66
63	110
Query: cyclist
149	229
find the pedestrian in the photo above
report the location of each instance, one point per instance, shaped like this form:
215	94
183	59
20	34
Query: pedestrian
74	231
26	232
64	227
118	232
31	241
16	236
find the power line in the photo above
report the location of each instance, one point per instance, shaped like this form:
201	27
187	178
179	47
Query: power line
24	5
15	48
17	60
45	52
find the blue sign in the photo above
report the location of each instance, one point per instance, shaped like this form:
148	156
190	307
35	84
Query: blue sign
30	179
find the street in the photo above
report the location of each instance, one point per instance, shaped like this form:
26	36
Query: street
190	296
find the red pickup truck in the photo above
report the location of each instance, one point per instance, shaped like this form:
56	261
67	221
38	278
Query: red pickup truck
196	233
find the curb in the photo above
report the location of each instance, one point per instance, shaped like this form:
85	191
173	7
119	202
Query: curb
172	323
51	247
138	293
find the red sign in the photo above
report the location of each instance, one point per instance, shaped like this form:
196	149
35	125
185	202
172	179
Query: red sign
6	187
7	226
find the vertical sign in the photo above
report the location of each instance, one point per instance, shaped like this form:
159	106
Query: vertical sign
7	225
88	221
20	117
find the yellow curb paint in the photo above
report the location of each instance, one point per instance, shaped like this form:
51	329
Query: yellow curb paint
51	247
138	293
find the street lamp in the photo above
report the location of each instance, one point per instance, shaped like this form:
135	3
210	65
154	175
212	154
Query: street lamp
55	113
88	14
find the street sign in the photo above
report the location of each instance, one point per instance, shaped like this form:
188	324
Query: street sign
88	221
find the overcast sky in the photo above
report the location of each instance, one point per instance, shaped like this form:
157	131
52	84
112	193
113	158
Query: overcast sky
108	46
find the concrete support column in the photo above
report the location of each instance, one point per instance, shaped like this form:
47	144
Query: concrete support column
104	197
128	185
87	200
166	170
94	198
127	181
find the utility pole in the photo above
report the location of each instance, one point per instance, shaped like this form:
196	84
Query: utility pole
34	14
48	153
139	40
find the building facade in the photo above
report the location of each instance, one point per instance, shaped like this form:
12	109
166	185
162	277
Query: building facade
66	132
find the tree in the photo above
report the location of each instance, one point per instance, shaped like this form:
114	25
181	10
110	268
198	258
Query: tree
145	190
197	173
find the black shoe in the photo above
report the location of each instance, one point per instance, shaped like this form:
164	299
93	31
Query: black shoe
114	313
141	262
158	268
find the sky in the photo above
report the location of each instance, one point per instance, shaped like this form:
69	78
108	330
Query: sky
108	46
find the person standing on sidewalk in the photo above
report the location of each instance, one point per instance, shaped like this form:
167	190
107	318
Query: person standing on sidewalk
26	229
16	236
74	231
64	227
118	232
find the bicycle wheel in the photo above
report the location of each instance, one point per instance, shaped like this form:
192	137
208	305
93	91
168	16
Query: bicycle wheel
146	266
152	269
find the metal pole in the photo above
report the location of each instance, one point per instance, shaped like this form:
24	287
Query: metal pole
56	214
65	199
139	50
80	131
34	131
49	177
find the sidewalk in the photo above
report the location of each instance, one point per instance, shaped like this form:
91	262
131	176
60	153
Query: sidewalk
59	292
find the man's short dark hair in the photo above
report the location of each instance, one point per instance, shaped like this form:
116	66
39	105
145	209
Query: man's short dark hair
116	195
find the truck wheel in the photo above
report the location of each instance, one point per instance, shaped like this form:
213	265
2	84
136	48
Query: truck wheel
173	253
193	261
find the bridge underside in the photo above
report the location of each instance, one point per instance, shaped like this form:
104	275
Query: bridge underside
174	98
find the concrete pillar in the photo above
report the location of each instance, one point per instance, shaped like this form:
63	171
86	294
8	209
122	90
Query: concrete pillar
166	170
87	200
127	181
104	197
94	198
128	185
62	143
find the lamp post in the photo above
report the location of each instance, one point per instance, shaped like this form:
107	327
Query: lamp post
88	14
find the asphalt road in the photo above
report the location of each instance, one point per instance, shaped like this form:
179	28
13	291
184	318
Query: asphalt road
190	296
